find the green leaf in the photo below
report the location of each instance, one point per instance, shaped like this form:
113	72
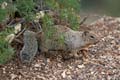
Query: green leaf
2	14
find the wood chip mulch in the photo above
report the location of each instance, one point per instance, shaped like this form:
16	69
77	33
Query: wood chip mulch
104	63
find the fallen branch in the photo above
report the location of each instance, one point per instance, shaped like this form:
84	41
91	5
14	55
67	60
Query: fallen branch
83	20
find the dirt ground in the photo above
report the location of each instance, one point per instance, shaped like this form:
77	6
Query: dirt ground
104	62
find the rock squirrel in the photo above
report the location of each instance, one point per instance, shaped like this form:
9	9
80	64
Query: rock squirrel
73	40
30	47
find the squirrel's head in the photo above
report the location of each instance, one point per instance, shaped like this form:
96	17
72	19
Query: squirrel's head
89	38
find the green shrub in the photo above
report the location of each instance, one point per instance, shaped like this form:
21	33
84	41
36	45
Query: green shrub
2	14
68	9
6	51
24	7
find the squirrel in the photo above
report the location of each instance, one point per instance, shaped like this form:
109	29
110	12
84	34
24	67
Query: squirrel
73	40
30	47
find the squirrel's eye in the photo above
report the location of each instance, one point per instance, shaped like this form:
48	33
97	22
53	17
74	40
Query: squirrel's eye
92	37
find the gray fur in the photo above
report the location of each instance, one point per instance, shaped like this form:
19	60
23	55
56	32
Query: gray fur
73	40
30	47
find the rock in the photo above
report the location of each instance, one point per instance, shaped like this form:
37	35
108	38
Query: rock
30	47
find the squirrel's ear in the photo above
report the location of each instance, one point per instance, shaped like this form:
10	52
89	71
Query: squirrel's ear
85	33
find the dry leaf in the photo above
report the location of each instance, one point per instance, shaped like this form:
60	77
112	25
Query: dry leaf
10	38
64	74
13	76
39	15
37	65
81	66
17	28
4	5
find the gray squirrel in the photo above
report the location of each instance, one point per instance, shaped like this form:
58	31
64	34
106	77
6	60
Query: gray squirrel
73	42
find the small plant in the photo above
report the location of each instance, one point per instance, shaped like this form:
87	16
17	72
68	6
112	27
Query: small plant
25	8
71	18
6	51
68	9
2	14
47	26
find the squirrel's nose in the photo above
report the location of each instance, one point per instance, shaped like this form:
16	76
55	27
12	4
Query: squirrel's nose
97	40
